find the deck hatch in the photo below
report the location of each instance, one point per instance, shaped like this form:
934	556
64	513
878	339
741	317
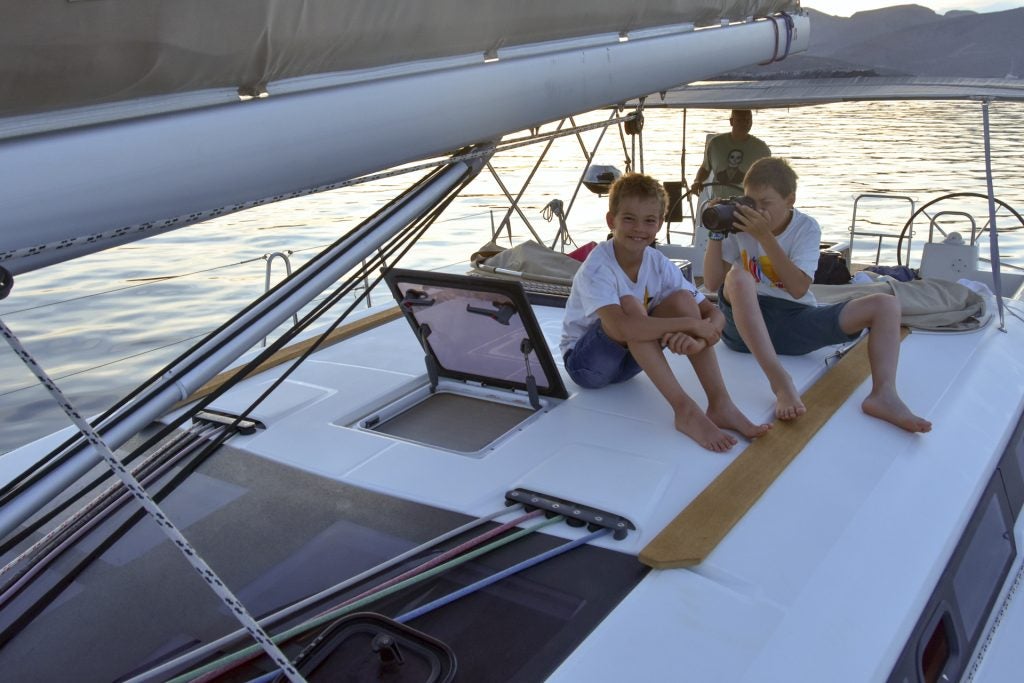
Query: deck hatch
465	424
477	329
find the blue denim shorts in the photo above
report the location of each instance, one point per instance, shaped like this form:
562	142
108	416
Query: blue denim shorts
795	329
597	360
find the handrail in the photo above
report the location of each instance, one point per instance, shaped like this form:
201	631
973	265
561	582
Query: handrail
269	258
933	224
880	235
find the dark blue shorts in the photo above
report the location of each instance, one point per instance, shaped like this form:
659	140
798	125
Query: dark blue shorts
597	360
794	328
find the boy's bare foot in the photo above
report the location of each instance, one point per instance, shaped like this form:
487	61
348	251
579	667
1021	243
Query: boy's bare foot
696	425
788	405
887	405
728	416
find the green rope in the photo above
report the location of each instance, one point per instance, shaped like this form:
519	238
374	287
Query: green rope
342	611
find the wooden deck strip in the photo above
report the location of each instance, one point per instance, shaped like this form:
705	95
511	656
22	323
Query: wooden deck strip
689	538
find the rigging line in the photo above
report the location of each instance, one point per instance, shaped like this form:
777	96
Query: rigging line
418	570
416	231
231	638
343	290
494	578
163	522
113	414
140	470
147	281
214	444
70	575
443	557
245	655
109	363
72	530
31	528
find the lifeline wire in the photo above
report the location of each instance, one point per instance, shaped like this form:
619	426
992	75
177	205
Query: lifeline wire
162	521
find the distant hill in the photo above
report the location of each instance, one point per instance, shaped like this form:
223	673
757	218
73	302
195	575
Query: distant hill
906	40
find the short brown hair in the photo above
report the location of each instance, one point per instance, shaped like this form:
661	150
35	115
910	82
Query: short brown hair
773	172
637	185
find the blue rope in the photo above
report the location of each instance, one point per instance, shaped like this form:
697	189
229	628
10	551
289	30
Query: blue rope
494	578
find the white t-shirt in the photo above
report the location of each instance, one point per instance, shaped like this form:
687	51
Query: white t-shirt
600	281
801	240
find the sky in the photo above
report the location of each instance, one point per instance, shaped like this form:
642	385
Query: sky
844	8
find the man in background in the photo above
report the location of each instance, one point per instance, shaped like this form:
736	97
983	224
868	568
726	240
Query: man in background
729	155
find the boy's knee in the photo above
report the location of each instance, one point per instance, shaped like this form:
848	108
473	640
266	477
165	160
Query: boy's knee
678	304
886	305
738	281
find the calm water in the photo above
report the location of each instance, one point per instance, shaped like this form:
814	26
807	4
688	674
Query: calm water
104	323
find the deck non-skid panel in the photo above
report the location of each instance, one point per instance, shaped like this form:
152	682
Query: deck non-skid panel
276	534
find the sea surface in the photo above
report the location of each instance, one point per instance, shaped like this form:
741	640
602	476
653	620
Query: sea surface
104	323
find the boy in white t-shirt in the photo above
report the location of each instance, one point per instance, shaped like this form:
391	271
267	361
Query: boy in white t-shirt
764	273
629	303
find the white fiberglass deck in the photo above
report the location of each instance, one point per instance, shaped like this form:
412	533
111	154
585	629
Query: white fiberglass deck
826	575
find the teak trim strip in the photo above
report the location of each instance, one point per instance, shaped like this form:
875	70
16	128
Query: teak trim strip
689	538
295	350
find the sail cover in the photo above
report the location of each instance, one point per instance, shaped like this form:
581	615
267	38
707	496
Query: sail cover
60	54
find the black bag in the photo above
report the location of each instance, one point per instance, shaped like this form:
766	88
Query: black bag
832	269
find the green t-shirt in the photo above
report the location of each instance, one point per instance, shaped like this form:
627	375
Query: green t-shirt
728	160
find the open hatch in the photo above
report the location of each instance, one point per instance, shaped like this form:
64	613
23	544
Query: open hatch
488	367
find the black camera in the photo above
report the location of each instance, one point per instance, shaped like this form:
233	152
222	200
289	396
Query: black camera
720	217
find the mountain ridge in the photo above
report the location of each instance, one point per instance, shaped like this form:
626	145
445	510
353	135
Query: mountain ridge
906	40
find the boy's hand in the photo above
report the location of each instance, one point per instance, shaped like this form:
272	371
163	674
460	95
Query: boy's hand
716	318
682	344
753	222
705	330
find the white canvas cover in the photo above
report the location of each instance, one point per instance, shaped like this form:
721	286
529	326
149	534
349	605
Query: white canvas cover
57	54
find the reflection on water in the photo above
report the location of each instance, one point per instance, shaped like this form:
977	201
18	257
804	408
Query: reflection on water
95	322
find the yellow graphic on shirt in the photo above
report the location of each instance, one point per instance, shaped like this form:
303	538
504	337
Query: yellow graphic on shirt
761	268
647	299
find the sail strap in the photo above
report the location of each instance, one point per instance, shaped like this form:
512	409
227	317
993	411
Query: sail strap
166	526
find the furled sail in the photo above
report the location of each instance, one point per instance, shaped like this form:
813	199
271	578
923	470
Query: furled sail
124	120
55	55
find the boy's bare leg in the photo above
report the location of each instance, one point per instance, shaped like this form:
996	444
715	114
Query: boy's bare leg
881	314
741	290
689	419
721	409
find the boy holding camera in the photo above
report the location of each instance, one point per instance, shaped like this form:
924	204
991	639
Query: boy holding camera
629	303
763	266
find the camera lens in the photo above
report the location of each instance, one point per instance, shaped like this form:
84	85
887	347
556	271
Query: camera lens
718	218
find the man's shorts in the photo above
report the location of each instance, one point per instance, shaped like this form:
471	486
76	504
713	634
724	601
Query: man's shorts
794	328
597	360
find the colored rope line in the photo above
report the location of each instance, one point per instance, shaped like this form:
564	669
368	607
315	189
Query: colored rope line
231	638
504	573
216	666
415	571
43	552
163	522
445	556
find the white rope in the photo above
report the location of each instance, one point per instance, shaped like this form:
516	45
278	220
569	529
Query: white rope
149	505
